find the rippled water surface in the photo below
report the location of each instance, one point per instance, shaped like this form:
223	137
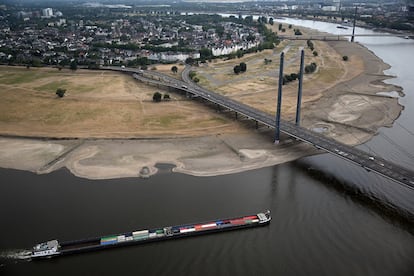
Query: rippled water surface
315	228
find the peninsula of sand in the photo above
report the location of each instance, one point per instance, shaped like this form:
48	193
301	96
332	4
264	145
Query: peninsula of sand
107	126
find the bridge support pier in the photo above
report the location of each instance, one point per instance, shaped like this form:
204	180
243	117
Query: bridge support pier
236	115
279	99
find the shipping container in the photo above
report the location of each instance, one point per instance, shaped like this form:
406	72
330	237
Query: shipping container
108	242
108	238
250	218
237	221
209	225
141	232
187	230
121	238
141	237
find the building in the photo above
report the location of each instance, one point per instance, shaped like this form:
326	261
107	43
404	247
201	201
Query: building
48	12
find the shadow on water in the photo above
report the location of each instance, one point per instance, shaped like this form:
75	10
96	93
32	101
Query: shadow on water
388	211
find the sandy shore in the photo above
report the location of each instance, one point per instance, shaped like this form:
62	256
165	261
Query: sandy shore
365	112
103	159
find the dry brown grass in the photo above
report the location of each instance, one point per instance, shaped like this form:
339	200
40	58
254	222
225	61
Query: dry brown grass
97	104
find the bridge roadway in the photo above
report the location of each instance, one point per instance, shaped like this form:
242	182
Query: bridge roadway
369	162
327	37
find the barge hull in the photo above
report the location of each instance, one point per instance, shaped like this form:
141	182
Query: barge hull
155	235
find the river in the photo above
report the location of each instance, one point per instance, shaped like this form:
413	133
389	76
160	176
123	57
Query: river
329	217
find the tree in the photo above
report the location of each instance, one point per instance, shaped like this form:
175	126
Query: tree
189	61
280	26
310	68
157	97
315	53
73	65
345	58
239	53
236	69
196	80
205	53
167	97
192	74
60	92
271	22
174	69
243	67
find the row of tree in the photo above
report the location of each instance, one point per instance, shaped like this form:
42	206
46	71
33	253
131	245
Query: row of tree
157	97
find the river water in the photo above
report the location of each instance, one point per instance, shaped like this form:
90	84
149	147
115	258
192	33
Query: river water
329	217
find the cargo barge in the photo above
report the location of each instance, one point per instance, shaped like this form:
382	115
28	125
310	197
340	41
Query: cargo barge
54	248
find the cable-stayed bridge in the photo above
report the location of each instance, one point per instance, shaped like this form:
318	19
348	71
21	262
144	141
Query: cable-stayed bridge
369	162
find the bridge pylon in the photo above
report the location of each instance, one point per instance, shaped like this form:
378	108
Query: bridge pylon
299	102
279	99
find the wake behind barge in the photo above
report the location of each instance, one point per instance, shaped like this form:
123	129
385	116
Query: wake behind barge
53	248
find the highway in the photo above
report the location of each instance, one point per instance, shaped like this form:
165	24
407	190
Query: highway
369	162
327	37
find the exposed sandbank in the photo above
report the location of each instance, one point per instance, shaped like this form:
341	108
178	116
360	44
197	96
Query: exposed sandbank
102	159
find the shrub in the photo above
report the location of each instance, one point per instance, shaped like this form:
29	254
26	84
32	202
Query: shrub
237	69
345	58
310	68
157	97
60	92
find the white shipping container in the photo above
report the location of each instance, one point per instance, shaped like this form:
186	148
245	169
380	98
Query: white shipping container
139	233
208	225
121	238
187	230
152	235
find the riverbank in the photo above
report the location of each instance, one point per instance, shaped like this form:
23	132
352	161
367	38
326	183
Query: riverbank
350	109
104	159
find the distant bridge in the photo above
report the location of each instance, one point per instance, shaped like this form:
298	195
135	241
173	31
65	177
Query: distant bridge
331	37
369	162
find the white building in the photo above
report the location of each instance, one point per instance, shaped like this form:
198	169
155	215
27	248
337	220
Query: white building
48	12
225	50
329	8
172	57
